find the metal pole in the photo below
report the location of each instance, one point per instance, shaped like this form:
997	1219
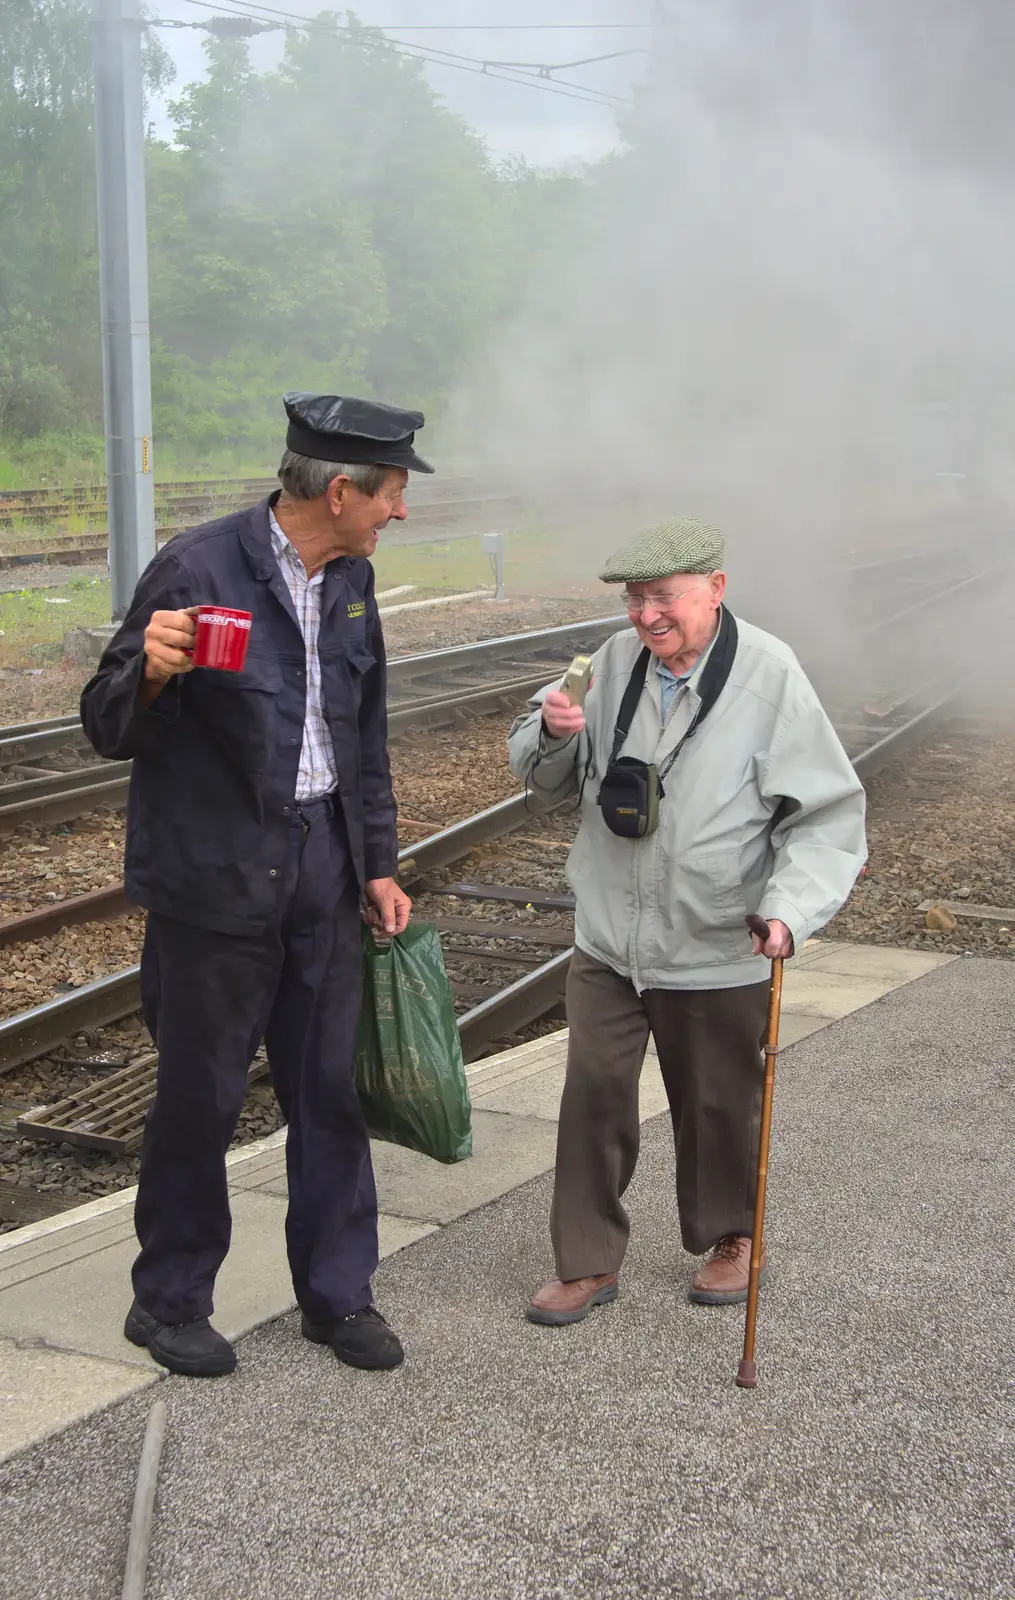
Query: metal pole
493	544
123	293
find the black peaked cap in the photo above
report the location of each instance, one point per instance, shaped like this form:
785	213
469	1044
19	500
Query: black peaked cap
333	427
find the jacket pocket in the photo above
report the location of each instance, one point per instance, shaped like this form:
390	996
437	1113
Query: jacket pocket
238	711
344	675
260	673
360	659
703	905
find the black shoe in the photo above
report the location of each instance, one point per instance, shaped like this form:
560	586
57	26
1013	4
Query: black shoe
191	1348
360	1340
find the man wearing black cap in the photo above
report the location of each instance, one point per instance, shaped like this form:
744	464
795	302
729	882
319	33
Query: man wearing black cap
261	820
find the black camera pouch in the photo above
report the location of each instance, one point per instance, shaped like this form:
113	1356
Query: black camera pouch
629	796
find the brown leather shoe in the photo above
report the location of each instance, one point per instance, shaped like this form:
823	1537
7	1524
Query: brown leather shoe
722	1281
557	1303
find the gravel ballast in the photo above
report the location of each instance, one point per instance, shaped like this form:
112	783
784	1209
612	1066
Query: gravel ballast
53	689
941	827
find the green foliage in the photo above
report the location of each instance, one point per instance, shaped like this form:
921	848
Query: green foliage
326	224
34	621
48	371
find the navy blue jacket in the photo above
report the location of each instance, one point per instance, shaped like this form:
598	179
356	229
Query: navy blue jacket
216	755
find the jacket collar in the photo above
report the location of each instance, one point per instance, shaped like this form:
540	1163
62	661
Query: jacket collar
255	537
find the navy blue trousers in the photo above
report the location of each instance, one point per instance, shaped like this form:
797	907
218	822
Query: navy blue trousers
209	999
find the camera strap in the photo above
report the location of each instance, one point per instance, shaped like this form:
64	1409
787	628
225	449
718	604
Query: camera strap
713	682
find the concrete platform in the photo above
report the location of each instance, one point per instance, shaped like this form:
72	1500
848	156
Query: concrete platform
616	1460
64	1282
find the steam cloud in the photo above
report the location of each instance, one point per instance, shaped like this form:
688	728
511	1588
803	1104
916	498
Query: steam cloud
787	309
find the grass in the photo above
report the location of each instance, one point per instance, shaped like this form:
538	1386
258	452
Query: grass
64	460
34	621
535	562
33	627
457	565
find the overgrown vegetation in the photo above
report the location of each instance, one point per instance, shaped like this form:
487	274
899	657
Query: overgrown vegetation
326	224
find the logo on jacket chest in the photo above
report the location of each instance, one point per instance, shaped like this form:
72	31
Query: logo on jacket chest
356	609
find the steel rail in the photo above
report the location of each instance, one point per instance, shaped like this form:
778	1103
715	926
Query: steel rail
98	905
450	844
962	585
26	746
111	998
97	775
892	743
32	1033
13	501
482	650
18	730
78	553
60	797
70	798
456	706
521	1003
423	664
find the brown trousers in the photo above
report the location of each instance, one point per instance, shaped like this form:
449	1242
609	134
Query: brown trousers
709	1046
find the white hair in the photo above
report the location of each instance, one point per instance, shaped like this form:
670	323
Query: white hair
306	478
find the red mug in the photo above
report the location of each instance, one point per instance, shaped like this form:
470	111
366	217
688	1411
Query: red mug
221	638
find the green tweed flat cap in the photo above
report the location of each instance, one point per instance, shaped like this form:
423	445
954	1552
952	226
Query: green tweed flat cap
680	545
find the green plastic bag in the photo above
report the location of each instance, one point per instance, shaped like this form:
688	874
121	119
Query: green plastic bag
410	1075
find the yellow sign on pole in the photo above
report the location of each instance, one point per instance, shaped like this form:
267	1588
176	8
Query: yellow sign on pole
144	455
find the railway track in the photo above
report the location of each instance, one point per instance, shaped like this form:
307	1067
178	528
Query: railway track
197	494
889	728
49	773
507	969
507	944
506	930
455	508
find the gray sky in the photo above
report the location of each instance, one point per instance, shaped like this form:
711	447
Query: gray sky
514	118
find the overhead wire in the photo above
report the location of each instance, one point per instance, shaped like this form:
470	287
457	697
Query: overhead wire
438	57
510	27
535	75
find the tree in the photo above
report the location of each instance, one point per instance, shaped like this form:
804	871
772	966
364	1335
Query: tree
47	244
50	362
329	223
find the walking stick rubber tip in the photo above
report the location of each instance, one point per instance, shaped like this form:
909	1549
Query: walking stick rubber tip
747	1375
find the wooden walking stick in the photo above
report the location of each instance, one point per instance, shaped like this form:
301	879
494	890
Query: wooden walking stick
747	1374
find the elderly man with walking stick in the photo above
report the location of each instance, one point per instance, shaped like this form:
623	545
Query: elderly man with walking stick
712	787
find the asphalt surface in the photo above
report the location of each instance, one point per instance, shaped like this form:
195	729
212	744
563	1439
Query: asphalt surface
617	1459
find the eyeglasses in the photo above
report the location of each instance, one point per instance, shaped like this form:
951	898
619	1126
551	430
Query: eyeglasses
662	601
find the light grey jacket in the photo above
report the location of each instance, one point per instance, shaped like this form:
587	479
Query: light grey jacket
762	812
